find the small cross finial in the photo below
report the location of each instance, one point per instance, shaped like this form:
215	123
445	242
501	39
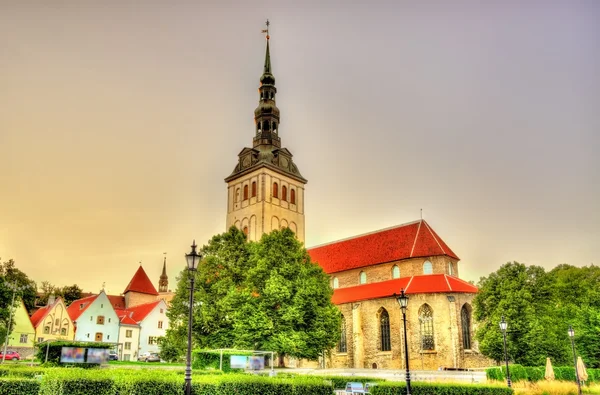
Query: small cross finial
267	29
421	213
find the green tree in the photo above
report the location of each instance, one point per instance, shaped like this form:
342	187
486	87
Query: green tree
13	282
265	295
525	296
69	293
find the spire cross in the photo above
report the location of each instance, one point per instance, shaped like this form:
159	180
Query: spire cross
267	29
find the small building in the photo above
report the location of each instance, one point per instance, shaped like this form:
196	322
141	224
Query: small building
52	322
153	323
129	336
95	319
22	336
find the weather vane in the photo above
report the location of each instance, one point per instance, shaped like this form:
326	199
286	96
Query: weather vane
267	29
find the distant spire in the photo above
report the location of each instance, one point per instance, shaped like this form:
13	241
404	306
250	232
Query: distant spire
163	282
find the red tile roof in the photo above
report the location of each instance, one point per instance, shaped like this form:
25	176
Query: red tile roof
77	307
428	283
41	313
141	283
125	317
117	301
415	239
141	311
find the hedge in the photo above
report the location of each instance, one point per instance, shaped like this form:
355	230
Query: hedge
21	371
209	359
535	373
396	388
339	382
54	351
19	386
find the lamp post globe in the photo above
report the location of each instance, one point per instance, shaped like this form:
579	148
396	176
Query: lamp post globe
403	302
503	327
192	259
572	336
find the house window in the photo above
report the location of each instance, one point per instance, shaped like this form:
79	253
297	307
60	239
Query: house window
126	357
342	347
88	335
253	188
127	345
275	190
245	192
46	329
284	193
384	331
162	311
98	337
450	269
40	339
128	333
63	331
160	324
109	320
100	320
91	318
465	320
81	306
56	322
336	283
426	323
395	272
245	230
293	196
427	268
101	306
152	340
237	195
23	338
362	277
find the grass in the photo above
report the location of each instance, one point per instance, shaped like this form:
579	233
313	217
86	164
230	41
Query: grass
553	388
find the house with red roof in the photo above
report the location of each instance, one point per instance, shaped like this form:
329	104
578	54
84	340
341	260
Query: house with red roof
153	323
52	322
95	319
367	274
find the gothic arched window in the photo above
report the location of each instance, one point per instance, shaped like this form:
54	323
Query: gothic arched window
245	231
253	188
362	278
384	331
395	272
426	322
245	192
275	190
284	193
465	320
336	283
293	196
342	347
427	268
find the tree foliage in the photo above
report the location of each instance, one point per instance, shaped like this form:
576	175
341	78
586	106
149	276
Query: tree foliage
67	293
13	282
539	306
264	295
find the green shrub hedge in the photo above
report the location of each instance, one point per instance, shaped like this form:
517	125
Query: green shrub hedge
535	373
396	388
21	371
339	382
19	386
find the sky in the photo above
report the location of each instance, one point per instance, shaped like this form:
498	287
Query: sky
119	121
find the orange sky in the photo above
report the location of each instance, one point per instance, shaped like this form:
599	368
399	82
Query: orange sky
119	122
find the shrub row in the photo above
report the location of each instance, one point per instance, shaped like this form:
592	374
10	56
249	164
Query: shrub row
19	386
535	373
339	382
396	388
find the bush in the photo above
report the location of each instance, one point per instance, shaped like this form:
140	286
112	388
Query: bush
339	382
24	371
19	386
389	388
206	359
518	373
77	382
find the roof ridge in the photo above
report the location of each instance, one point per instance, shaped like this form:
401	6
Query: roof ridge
416	237
409	281
364	234
435	238
447	282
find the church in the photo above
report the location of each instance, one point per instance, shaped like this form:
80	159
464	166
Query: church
266	192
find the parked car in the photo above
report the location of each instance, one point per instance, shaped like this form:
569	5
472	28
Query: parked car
149	357
10	356
113	356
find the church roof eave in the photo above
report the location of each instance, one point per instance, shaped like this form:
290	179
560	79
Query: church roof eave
237	174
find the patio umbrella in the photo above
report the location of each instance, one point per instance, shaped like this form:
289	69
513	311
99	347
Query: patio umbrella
549	374
583	376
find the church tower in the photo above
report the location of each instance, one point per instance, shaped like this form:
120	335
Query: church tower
163	282
265	191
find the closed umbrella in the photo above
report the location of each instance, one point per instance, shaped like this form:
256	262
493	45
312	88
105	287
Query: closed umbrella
583	376
549	374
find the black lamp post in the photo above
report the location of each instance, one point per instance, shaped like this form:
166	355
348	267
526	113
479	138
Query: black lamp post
503	326
572	336
403	302
193	258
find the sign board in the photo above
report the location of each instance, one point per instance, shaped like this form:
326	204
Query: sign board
238	361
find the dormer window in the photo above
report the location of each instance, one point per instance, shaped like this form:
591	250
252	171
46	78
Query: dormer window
81	306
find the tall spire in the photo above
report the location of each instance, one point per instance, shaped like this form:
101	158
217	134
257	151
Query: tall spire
267	68
163	282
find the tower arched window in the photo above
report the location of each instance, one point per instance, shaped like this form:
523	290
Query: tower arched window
336	283
395	271
427	268
245	231
362	278
284	193
426	324
266	127
245	192
342	345
385	343
237	195
293	196
465	320
450	269
253	188
275	190
274	127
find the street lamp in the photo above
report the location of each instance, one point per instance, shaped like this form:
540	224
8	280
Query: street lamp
403	302
192	259
572	336
503	326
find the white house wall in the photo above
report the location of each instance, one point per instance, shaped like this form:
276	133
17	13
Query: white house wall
149	327
87	326
130	354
